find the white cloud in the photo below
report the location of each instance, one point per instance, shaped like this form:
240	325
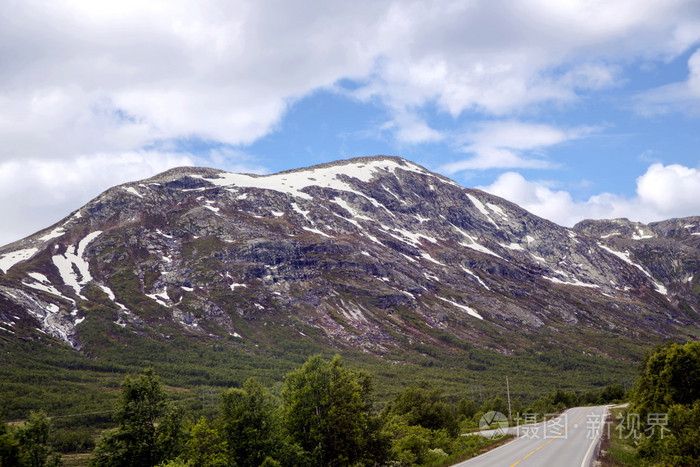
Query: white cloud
681	96
502	57
412	130
34	193
510	144
663	192
82	76
672	190
694	76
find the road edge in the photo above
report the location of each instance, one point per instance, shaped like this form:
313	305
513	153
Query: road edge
592	452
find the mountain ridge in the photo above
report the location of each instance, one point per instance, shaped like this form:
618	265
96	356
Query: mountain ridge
371	253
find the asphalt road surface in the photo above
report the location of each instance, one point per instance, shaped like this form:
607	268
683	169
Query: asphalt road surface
568	441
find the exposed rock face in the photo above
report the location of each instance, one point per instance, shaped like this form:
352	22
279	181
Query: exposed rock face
371	253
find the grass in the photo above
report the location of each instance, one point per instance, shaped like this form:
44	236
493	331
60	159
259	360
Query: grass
483	445
615	450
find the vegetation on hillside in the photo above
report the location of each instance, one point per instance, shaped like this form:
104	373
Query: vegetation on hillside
324	414
661	426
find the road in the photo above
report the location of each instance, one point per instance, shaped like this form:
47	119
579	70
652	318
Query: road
568	440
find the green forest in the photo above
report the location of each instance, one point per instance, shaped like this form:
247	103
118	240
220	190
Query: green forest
203	404
324	414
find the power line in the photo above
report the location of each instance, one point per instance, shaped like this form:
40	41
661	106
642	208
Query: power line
80	414
110	411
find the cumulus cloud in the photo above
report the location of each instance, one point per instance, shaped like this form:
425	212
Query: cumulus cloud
663	192
410	129
510	144
672	190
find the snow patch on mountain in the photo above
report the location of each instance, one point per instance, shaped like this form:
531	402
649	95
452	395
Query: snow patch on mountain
74	270
482	209
575	282
41	282
326	177
55	233
626	258
473	244
471	273
10	259
113	298
469	310
133	191
316	231
161	298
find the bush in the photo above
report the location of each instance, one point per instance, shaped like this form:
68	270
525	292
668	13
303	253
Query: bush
75	440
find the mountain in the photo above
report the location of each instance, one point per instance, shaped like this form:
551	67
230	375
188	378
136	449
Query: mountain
376	254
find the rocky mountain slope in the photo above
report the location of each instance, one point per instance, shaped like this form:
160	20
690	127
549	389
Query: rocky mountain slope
373	253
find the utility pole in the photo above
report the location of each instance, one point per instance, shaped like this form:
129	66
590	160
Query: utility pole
510	418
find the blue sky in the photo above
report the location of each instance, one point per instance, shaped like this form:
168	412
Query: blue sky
573	109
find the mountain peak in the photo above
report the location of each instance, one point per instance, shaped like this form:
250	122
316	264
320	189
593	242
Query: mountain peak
370	253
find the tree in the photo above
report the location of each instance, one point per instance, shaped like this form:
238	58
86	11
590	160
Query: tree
424	407
149	429
34	442
9	446
671	375
327	412
466	408
249	424
668	391
205	447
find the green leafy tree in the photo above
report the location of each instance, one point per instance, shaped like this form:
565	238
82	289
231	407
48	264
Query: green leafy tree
496	404
9	446
249	424
681	444
34	442
205	446
612	393
327	412
410	443
149	429
424	406
668	389
671	375
467	408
